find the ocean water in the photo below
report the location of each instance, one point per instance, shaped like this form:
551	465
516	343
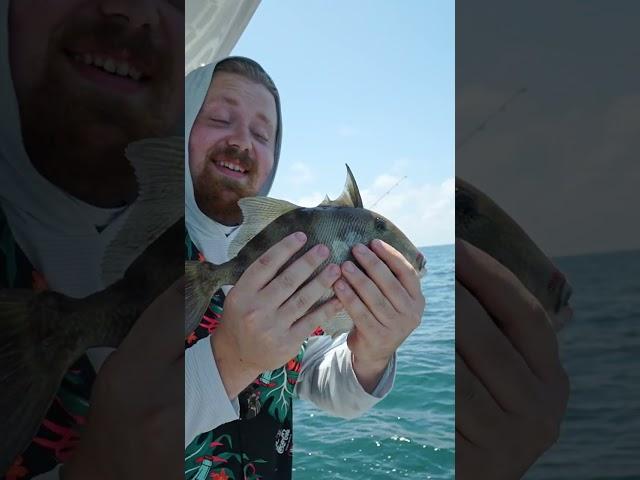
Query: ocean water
410	434
600	348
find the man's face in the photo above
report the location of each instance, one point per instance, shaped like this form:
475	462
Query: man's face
231	147
92	76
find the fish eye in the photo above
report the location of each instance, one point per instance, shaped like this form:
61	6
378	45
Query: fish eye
380	224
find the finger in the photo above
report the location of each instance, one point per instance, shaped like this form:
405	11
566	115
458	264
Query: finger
491	357
399	265
517	311
362	317
262	271
369	293
306	297
478	416
305	326
385	280
156	336
287	282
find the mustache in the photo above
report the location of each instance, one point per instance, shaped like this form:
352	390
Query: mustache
142	46
231	152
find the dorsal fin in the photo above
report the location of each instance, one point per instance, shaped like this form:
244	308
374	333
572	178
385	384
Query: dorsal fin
257	213
159	168
350	196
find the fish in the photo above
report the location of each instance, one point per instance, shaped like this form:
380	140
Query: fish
340	224
43	333
485	225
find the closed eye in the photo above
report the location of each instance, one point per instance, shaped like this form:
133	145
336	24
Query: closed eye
260	137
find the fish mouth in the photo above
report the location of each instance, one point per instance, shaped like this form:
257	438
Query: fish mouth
565	294
422	265
563	311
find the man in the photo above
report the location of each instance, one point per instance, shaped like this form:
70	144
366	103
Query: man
248	359
79	81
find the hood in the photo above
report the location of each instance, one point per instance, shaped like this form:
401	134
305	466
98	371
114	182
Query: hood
210	237
56	231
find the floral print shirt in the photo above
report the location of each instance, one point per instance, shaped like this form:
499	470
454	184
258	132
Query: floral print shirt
257	446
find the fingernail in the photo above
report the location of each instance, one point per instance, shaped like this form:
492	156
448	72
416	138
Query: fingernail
300	236
360	248
334	271
340	285
349	267
322	251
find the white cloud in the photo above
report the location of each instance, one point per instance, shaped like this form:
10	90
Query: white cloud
299	173
311	200
424	212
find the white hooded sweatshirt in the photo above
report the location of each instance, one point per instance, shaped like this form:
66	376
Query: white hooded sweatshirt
326	378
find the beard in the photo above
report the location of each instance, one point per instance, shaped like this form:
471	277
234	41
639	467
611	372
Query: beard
216	195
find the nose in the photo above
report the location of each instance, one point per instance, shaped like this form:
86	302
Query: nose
135	13
239	138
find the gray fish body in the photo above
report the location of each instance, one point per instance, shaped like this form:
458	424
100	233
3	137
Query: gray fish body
340	228
482	223
339	224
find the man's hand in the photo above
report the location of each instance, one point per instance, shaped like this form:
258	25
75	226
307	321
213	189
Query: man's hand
265	319
511	389
385	303
136	419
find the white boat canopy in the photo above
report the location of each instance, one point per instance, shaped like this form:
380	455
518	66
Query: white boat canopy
212	28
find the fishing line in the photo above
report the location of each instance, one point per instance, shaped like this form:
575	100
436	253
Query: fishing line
501	109
385	193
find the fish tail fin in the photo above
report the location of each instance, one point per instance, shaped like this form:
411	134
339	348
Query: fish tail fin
34	357
202	280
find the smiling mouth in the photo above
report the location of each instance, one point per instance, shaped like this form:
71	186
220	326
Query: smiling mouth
109	70
231	167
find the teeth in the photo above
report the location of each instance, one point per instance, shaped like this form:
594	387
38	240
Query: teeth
230	166
110	65
122	69
135	74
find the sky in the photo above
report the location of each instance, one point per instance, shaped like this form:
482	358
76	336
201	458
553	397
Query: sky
369	84
562	158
